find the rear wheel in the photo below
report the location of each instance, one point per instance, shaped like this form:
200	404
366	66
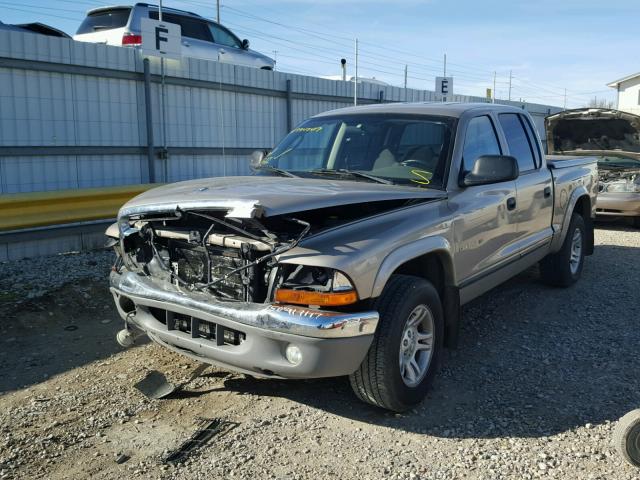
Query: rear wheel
563	269
626	437
403	358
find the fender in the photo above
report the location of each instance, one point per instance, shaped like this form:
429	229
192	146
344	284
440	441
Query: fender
433	244
558	239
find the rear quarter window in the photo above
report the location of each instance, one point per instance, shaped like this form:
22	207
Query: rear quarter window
104	20
190	27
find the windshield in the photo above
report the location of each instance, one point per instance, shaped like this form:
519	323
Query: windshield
616	161
406	150
104	20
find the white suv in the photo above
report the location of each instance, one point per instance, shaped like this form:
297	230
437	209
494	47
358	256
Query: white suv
201	38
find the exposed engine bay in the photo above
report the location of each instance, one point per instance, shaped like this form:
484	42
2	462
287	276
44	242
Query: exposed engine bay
611	135
593	129
233	259
618	179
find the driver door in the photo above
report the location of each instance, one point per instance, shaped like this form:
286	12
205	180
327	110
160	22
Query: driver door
484	225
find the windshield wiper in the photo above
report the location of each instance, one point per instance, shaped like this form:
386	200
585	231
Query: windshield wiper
352	173
279	171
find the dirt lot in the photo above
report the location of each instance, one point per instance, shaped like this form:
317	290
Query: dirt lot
534	390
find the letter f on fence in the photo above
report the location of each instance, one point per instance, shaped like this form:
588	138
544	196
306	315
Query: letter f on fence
159	37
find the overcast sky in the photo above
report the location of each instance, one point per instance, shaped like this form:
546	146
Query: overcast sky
549	45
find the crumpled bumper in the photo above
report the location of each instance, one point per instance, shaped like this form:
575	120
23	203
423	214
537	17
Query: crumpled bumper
331	343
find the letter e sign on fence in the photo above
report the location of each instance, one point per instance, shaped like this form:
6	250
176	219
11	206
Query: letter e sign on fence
444	86
161	39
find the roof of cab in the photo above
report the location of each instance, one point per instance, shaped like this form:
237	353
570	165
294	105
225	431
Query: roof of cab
447	109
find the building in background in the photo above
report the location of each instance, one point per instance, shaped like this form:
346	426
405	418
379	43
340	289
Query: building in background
628	89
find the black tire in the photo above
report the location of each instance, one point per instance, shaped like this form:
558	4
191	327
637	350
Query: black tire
636	222
378	380
556	269
626	437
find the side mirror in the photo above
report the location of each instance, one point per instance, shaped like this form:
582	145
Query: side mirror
491	169
245	44
256	158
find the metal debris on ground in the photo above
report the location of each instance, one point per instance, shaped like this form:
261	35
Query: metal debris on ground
206	429
156	386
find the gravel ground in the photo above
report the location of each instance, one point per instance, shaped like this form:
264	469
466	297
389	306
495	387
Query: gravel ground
534	390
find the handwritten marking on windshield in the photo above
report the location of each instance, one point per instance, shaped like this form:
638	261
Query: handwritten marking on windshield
423	175
308	129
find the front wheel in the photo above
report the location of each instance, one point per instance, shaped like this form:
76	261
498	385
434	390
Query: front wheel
627	437
563	269
404	355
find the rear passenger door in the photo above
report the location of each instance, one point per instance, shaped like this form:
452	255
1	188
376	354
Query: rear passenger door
534	197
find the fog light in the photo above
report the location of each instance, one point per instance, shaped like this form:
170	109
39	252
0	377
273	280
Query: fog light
294	355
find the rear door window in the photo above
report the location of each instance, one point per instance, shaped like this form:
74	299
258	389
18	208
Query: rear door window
190	27
533	139
518	141
479	140
104	20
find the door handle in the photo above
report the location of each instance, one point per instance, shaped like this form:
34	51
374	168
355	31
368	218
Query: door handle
185	43
547	192
511	203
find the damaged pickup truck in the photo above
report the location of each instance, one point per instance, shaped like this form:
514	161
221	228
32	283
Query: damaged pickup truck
353	247
613	137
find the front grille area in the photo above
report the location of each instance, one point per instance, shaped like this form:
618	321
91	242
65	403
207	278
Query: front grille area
195	265
199	328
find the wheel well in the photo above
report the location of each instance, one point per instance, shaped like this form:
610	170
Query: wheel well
427	266
583	207
437	269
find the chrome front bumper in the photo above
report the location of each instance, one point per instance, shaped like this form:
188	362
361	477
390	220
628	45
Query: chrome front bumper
332	343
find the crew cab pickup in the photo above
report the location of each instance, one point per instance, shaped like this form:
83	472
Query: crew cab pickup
352	248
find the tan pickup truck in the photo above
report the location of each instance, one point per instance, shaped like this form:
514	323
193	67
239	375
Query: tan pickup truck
352	248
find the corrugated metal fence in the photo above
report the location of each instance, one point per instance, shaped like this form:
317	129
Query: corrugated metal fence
73	115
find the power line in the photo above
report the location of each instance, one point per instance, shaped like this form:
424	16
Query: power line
37	12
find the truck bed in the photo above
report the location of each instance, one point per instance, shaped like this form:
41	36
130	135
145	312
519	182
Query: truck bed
566	161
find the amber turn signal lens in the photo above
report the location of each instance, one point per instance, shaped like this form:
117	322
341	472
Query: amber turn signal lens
303	297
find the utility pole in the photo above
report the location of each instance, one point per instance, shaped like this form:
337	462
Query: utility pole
445	65
510	78
163	108
565	98
405	82
493	94
218	10
355	79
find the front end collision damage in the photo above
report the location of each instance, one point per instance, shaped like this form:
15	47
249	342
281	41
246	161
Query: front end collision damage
211	316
